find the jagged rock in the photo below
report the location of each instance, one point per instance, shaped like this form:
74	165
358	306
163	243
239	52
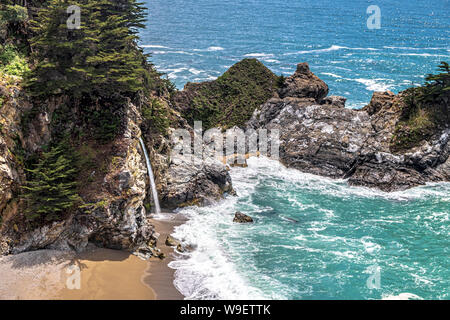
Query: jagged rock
239	217
336	101
180	248
379	101
304	84
195	181
171	242
336	142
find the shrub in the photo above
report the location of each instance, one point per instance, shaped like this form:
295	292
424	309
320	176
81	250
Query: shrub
12	62
51	188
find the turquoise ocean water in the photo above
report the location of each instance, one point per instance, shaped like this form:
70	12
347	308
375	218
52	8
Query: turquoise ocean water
313	238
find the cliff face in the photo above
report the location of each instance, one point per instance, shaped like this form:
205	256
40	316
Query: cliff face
114	187
319	136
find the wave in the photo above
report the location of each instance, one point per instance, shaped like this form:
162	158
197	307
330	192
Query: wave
423	55
222	268
209	49
332	48
331	74
402	296
215	49
375	84
413	48
266	167
258	55
208	272
154	46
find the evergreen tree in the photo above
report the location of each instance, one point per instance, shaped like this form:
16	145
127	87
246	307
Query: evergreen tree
51	187
437	86
99	60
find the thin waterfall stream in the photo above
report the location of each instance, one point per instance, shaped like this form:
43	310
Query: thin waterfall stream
151	177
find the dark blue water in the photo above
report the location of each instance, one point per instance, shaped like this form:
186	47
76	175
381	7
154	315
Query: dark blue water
198	40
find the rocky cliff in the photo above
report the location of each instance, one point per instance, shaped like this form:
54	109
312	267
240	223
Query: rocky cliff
318	135
114	183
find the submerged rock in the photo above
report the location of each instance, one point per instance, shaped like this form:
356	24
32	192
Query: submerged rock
239	217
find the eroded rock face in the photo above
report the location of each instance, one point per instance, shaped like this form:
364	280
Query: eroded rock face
192	181
116	217
320	136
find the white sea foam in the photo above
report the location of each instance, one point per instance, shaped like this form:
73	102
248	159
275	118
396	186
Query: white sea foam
209	49
213	270
208	272
256	55
375	84
332	48
331	74
215	49
402	296
423	55
154	46
195	71
413	48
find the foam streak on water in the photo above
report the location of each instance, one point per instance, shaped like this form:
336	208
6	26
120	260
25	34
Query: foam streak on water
315	238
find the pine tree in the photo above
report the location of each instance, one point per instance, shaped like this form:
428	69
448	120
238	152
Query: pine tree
51	188
99	60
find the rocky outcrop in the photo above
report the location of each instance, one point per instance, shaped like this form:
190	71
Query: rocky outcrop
195	181
239	217
304	84
319	136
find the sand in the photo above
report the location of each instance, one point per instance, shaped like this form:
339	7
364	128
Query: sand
95	274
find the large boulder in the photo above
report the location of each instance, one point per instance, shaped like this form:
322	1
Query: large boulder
304	84
239	217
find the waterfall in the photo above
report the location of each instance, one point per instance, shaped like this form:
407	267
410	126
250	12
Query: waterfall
151	177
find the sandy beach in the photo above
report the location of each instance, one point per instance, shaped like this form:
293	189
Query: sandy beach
97	274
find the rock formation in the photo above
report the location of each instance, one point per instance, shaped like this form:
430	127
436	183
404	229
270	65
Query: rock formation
319	136
239	217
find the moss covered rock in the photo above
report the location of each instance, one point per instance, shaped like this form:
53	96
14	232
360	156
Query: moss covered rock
231	99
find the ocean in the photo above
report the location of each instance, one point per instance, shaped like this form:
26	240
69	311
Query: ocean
313	238
199	40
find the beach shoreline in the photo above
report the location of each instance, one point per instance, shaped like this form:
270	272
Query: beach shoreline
94	274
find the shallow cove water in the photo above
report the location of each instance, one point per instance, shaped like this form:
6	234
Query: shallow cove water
342	233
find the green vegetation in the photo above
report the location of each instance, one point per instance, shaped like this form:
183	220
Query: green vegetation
51	187
99	60
231	99
12	62
425	110
12	13
157	115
